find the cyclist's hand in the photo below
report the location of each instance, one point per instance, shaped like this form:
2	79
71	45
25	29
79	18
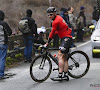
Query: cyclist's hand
45	45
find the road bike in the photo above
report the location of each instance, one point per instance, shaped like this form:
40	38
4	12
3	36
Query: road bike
41	66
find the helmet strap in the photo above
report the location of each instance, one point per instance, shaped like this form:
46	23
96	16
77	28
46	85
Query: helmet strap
54	16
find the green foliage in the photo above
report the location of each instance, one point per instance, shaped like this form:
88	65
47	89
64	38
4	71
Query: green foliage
87	34
10	62
52	44
18	55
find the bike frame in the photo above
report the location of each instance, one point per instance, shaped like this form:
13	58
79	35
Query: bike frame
47	53
47	57
50	56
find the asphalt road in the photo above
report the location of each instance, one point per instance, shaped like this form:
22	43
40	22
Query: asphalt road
23	81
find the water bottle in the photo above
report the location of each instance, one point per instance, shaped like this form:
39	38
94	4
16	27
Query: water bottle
55	56
56	59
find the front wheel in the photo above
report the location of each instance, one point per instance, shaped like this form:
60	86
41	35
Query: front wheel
40	68
79	65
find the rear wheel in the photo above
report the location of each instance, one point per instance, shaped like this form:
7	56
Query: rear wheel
81	65
40	68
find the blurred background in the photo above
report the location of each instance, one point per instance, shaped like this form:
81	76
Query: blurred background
16	9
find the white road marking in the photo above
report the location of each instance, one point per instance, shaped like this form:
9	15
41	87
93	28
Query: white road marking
84	43
95	66
81	45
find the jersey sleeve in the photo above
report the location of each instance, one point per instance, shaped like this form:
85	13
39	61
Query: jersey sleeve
54	29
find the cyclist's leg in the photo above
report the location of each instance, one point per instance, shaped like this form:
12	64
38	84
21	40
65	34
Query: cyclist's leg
65	77
63	66
61	61
65	50
62	58
65	63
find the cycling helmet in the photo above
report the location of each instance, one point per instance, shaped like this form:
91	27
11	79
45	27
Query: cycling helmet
51	10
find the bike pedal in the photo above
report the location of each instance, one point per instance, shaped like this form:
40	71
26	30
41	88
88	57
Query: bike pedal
55	69
56	79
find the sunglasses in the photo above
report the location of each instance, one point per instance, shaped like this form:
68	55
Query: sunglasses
50	14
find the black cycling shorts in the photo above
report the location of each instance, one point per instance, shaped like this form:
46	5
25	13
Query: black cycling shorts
66	43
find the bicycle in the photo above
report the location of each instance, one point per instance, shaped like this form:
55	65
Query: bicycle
41	66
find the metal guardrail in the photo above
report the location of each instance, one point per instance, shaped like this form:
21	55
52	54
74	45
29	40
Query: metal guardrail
19	39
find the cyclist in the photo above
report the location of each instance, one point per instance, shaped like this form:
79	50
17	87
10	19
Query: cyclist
60	27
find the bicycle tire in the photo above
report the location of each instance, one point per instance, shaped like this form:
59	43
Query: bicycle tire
37	73
72	72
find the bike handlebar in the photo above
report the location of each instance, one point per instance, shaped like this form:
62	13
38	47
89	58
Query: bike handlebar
43	47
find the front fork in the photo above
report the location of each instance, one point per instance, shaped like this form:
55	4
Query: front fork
43	61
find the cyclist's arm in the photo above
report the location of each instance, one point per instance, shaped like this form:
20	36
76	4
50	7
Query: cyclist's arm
54	29
52	33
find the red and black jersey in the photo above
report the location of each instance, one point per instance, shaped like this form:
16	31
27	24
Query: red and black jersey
60	27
